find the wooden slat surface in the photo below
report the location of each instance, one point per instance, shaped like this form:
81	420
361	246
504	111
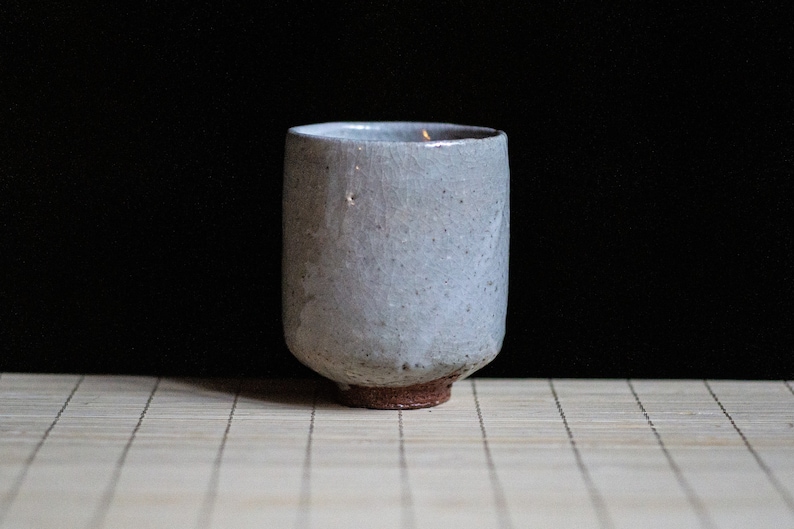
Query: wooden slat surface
138	452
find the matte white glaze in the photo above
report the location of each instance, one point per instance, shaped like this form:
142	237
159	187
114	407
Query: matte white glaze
395	250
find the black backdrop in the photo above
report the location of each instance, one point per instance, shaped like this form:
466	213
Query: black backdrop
651	156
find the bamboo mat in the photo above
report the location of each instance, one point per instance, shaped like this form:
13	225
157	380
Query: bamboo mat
118	451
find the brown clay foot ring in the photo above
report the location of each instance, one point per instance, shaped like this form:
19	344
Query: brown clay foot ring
423	395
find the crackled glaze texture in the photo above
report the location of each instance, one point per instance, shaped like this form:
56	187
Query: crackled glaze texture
395	250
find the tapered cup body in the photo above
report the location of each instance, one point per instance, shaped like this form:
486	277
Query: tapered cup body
395	261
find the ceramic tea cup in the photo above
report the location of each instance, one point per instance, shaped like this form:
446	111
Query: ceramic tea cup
395	256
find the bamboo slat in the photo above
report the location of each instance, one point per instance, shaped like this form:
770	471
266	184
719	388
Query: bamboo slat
138	452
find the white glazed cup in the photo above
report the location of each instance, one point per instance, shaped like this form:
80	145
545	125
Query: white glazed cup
395	256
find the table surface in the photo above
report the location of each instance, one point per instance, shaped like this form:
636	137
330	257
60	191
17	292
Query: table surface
124	451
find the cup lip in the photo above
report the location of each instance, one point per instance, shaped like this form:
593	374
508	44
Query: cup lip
320	132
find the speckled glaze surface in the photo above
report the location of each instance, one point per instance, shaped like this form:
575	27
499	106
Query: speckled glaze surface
395	252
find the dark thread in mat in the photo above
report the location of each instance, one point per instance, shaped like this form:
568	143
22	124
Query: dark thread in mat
781	490
304	501
98	519
210	498
599	505
406	498
697	505
11	495
499	496
788	385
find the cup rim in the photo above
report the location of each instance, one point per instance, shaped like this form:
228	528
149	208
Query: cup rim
423	132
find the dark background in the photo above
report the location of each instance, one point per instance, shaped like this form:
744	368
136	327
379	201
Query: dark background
141	150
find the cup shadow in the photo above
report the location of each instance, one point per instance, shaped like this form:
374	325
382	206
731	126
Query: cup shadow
286	393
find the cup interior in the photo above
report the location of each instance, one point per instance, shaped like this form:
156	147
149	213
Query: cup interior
396	131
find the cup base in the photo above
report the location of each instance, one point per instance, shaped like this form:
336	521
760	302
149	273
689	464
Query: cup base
425	395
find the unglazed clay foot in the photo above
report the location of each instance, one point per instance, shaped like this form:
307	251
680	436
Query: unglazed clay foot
423	395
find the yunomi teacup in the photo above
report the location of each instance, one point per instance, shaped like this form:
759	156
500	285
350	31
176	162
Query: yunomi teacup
395	256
